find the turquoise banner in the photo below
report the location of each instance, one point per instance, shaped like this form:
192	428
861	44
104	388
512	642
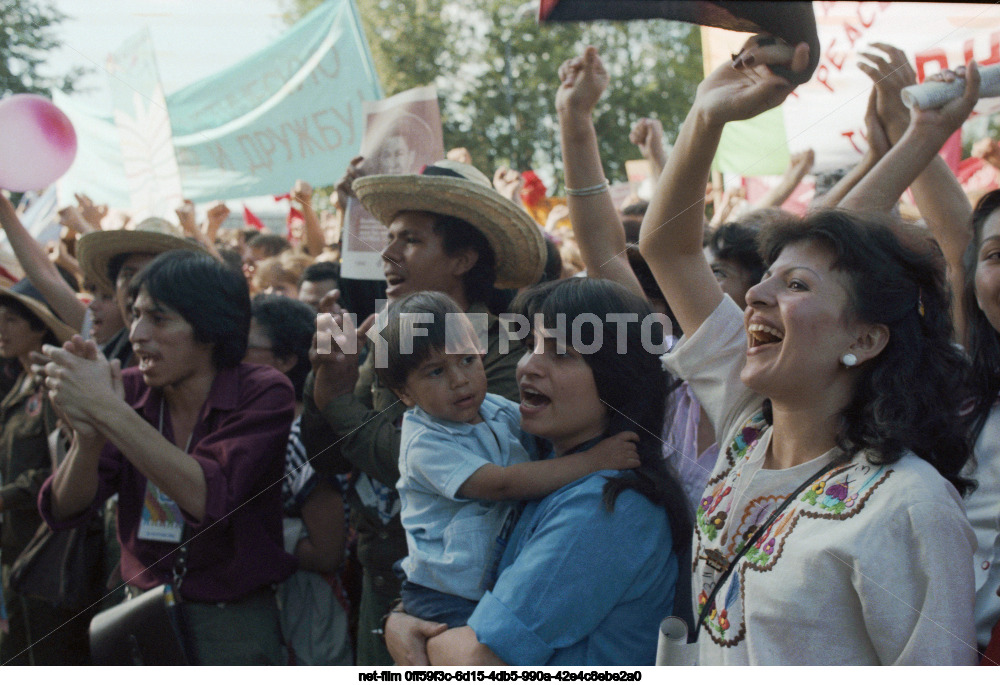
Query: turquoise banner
290	111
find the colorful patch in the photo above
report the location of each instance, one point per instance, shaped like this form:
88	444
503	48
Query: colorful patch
34	404
711	517
722	532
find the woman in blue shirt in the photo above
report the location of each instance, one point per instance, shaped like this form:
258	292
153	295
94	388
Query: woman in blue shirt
590	570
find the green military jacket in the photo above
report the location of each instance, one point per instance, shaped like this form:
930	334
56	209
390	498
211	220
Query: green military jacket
26	420
362	431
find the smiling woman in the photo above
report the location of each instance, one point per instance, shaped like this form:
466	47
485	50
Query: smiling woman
839	385
981	304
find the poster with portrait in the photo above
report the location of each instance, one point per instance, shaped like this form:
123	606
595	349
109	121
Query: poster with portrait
402	135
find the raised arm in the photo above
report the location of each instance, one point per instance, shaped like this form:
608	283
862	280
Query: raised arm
214	218
302	194
42	273
596	224
878	145
798	166
913	151
647	135
942	202
671	236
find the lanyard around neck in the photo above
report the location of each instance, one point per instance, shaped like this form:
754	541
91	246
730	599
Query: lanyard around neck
187	447
753	540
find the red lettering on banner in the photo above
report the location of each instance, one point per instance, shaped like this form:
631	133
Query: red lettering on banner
826	5
832	56
850	138
853	34
822	74
866	24
922	58
994	51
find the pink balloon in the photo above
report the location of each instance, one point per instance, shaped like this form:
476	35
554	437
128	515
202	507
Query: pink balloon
37	143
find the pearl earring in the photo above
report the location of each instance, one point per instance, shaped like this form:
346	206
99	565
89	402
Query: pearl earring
849	360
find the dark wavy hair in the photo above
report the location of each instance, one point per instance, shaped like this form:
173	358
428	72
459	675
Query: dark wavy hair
982	341
210	296
908	397
633	384
458	234
736	241
290	325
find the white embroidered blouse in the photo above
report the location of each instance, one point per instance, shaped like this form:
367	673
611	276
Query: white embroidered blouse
870	565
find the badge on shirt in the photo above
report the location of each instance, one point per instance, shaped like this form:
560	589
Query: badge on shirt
34	405
162	520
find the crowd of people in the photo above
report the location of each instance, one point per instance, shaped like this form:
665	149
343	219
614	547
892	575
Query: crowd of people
571	420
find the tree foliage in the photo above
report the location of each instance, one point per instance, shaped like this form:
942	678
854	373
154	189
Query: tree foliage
496	69
25	37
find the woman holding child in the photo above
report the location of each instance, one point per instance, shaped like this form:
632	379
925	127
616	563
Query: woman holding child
451	232
591	569
831	531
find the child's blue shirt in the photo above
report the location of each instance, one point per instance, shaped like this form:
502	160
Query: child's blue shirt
453	542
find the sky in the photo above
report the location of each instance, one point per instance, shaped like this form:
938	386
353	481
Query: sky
193	38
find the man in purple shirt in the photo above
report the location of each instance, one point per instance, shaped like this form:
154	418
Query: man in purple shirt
193	442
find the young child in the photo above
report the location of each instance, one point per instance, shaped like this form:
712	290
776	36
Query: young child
464	462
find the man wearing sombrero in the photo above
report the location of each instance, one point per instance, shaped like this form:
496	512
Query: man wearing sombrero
26	421
111	258
108	260
451	232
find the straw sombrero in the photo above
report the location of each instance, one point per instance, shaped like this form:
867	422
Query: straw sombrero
462	191
25	293
95	250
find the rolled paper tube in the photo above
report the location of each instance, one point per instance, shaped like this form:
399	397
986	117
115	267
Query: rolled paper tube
934	94
672	648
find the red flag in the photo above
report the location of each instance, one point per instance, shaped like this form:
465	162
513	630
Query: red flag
250	220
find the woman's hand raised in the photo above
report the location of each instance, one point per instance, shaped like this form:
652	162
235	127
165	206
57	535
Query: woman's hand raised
946	120
747	87
583	80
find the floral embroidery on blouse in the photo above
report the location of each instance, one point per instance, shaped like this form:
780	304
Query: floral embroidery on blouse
721	533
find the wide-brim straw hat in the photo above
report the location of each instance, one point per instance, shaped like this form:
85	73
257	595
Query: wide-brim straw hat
460	190
25	293
152	236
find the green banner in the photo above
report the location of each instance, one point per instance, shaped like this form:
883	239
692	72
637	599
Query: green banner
292	110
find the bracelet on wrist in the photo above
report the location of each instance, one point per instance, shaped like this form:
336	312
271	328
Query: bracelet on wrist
589	190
